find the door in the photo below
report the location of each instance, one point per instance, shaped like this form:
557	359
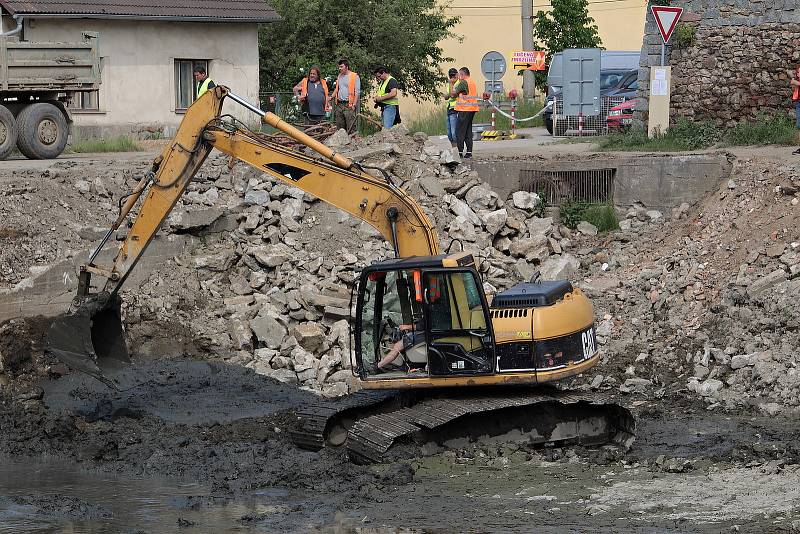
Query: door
389	332
581	81
459	329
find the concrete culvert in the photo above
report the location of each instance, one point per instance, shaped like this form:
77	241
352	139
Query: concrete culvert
43	131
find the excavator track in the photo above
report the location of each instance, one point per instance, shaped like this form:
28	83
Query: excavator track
322	423
559	417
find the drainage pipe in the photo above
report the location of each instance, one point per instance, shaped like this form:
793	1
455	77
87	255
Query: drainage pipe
18	19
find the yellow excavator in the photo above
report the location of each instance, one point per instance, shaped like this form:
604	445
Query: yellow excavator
460	367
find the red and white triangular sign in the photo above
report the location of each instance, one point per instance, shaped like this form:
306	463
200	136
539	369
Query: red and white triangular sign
666	18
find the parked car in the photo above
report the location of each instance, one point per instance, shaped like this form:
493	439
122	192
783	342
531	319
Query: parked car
620	116
626	86
613	82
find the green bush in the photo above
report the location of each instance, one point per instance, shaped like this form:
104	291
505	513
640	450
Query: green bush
603	216
685	35
765	130
112	144
684	135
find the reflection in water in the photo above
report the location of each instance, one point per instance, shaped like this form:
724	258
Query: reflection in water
57	496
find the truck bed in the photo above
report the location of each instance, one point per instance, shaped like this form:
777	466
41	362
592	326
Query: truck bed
27	67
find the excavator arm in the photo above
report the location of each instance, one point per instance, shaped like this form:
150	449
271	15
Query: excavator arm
91	334
340	182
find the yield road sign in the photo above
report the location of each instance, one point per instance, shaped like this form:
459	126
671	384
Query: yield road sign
666	18
527	60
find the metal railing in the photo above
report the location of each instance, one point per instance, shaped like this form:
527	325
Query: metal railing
557	187
569	125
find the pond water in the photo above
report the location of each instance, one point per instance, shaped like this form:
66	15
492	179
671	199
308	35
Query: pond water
58	496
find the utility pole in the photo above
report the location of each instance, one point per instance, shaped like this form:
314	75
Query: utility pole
528	81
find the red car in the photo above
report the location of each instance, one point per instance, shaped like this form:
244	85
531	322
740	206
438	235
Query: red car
620	116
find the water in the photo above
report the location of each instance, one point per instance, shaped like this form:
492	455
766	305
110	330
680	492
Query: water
45	496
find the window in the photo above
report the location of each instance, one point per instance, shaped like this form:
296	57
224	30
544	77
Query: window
609	79
89	100
185	86
633	85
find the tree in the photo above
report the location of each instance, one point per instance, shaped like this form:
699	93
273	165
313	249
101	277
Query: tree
403	35
566	25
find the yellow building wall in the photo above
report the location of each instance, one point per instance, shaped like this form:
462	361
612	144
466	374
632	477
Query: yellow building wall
497	25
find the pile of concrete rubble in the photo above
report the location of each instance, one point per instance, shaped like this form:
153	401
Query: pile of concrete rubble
701	301
270	286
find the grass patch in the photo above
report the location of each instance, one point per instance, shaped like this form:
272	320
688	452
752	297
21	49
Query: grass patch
112	144
432	121
687	135
603	216
766	130
684	135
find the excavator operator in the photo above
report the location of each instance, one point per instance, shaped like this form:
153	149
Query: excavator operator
410	335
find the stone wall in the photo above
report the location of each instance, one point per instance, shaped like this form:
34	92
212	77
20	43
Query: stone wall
738	65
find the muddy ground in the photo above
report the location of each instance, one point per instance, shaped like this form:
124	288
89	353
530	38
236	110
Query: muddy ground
224	428
199	443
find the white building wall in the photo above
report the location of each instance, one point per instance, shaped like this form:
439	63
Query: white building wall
138	79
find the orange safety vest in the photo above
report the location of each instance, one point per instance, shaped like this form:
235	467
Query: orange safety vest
351	85
468	102
304	91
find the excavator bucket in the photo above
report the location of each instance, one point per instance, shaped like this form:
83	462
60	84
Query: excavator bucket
90	340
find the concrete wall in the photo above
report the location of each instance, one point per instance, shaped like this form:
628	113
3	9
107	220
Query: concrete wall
487	26
660	182
138	80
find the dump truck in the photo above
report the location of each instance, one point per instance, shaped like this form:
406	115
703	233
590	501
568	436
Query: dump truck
37	81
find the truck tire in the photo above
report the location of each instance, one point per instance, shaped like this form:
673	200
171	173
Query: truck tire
8	132
43	131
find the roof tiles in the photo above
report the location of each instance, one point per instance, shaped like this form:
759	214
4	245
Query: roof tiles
200	10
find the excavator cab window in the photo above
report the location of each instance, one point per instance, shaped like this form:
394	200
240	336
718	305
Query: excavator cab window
460	338
439	317
389	314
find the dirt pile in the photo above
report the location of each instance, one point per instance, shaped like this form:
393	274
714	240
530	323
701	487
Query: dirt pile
706	305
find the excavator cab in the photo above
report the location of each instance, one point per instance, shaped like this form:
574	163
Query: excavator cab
434	308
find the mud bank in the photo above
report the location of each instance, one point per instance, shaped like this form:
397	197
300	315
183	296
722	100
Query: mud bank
215	437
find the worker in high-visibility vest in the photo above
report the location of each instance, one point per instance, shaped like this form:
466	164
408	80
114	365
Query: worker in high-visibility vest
312	92
452	115
387	99
345	95
795	81
202	81
466	93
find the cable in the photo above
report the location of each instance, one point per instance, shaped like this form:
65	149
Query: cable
549	104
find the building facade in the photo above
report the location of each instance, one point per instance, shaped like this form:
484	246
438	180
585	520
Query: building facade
147	53
487	26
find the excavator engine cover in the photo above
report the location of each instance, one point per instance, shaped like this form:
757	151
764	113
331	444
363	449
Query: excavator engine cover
90	339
